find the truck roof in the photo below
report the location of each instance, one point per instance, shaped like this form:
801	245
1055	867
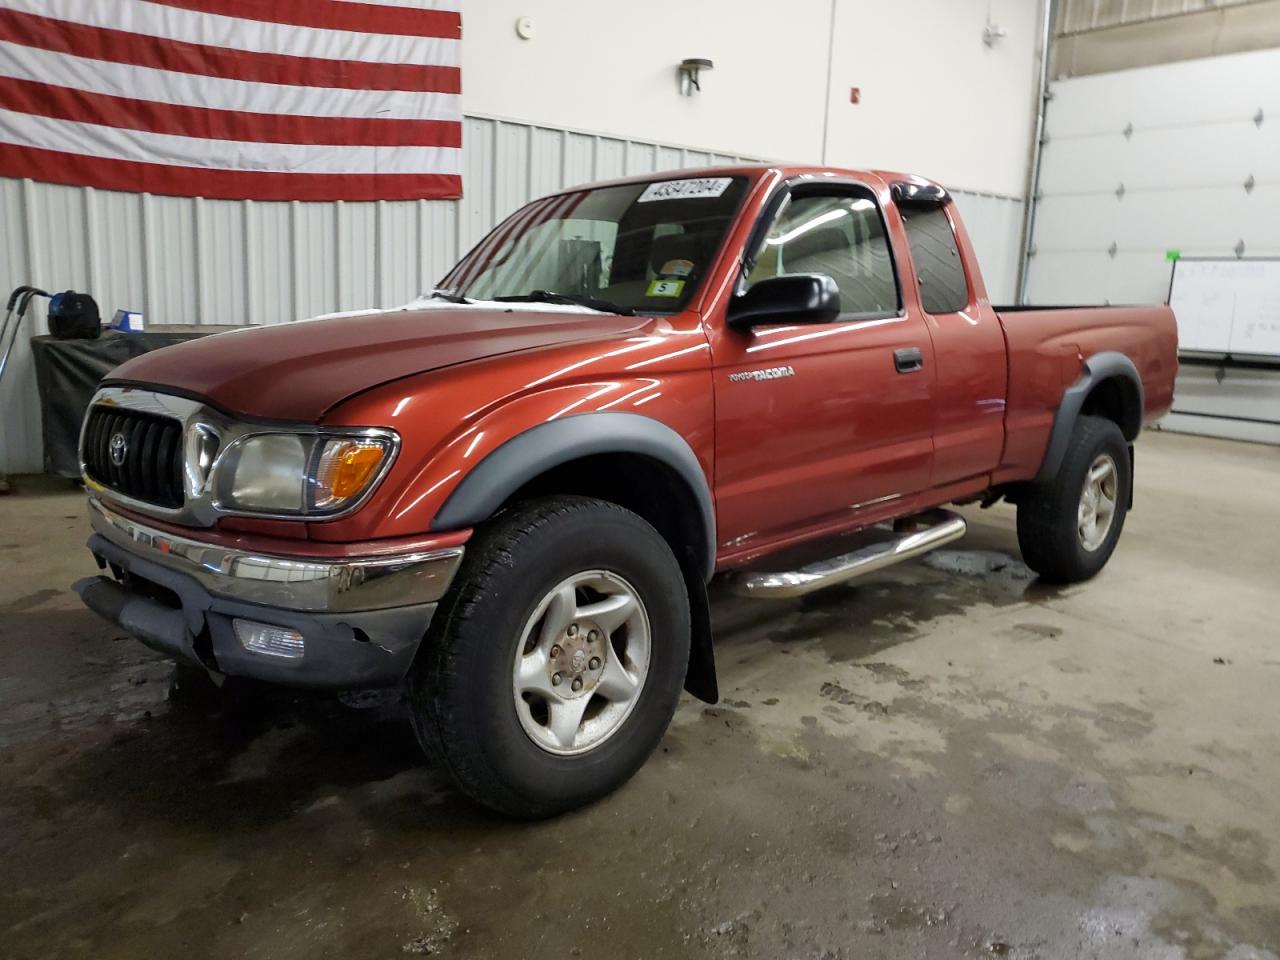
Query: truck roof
755	170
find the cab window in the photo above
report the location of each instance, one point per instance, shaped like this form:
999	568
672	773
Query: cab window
841	236
943	287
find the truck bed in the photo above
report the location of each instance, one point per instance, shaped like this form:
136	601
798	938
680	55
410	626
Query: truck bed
1047	348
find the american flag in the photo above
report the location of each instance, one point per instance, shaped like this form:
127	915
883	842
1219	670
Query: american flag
254	99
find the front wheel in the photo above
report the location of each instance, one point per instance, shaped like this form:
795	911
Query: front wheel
555	664
1069	525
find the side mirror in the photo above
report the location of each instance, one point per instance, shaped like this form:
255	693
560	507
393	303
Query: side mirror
797	298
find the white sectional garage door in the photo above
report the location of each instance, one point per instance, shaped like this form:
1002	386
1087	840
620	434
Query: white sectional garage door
1183	156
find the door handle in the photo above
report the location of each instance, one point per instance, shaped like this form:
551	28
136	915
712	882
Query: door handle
908	360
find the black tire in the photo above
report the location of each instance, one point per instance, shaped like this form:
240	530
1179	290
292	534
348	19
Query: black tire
1048	526
460	687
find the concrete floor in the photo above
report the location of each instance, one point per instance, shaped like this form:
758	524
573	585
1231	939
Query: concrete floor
950	760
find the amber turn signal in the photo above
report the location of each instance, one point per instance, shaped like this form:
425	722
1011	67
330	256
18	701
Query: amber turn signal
345	470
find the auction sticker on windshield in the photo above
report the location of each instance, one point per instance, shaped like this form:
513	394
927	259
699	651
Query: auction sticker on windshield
695	189
665	288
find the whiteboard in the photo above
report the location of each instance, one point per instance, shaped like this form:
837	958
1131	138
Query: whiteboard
1227	306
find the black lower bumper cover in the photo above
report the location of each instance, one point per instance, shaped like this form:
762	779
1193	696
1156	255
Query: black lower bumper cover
342	651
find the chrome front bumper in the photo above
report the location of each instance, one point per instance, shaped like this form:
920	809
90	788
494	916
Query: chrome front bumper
360	619
293	583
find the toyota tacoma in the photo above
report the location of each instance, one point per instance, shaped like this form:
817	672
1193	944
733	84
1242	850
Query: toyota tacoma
509	496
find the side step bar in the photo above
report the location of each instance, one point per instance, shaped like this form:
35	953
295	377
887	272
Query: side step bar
924	532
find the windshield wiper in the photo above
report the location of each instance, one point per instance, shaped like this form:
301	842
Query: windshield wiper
446	295
581	300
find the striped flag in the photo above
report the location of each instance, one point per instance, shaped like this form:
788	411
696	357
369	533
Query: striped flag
255	99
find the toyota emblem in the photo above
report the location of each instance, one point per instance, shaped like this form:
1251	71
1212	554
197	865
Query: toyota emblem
119	448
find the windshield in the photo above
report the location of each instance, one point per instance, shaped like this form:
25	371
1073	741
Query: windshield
640	247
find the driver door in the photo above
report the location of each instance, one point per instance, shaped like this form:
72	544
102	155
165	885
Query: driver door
826	425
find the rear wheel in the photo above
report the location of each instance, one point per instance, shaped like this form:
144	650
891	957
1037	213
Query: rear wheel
555	663
1068	527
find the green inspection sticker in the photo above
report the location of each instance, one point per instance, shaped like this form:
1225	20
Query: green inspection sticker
664	288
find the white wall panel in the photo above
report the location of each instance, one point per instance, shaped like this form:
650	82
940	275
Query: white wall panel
437	240
611	68
182	260
119	267
396	247
315	273
19	419
511	155
220	260
1082	165
917	59
1081	222
546	161
641	158
1138	276
669	158
357	247
1214	89
1059	275
610	157
269	252
780	86
995	227
1238	403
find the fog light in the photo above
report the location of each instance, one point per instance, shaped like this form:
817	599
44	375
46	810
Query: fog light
268	640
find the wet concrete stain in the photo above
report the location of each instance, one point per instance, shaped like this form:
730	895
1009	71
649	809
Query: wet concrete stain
30	600
1038	631
847	698
893	608
214	831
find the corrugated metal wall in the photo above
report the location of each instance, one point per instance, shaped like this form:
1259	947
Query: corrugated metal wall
1080	15
1109	36
182	260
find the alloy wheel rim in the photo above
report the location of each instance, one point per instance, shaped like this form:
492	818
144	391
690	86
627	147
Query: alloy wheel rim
582	662
1098	499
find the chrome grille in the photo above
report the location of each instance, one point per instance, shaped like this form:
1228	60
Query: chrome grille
135	453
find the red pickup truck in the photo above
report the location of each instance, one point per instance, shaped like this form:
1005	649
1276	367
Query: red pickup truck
510	495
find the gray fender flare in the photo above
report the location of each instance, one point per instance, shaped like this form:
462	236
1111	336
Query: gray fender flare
548	445
1097	368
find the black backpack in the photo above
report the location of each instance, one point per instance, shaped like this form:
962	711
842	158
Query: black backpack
74	316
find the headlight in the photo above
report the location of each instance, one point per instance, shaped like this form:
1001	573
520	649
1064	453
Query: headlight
299	474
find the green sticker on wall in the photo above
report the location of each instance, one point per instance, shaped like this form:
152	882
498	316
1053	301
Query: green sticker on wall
1173	254
665	288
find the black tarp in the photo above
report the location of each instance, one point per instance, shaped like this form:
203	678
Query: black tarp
69	371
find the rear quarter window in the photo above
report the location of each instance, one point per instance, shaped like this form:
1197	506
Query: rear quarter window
943	287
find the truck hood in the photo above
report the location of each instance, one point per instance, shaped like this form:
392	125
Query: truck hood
299	371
